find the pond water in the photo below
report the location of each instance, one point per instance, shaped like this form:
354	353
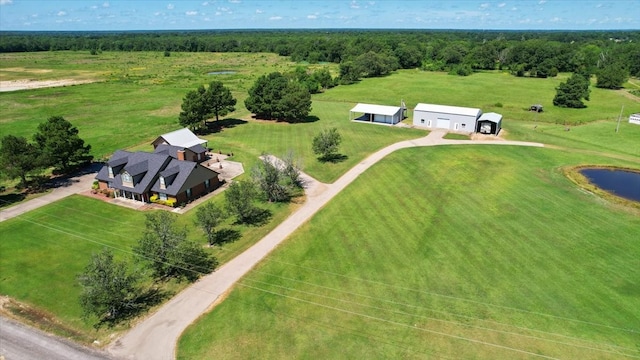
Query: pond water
622	183
222	72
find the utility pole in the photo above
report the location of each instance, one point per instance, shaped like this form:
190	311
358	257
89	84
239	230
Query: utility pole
620	116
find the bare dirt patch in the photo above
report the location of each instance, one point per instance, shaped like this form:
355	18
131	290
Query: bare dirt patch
16	85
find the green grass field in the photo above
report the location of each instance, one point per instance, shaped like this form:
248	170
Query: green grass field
448	252
497	229
45	250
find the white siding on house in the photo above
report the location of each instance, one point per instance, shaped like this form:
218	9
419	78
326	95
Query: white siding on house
634	119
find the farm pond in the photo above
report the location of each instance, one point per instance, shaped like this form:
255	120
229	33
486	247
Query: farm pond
623	183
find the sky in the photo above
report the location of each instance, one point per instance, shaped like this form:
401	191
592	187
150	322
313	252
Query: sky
117	15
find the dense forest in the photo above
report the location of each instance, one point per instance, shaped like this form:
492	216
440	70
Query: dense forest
368	53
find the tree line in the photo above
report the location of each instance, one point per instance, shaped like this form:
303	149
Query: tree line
362	53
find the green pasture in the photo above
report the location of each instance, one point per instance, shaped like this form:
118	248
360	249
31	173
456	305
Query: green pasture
490	91
480	252
44	250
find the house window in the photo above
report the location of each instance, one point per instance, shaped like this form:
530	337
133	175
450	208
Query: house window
429	123
455	126
189	192
127	179
162	183
207	183
199	155
422	121
463	125
162	196
110	172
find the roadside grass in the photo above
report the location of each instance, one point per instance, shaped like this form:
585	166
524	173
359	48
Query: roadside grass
453	136
44	250
457	251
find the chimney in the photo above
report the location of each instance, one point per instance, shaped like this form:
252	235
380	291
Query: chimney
181	155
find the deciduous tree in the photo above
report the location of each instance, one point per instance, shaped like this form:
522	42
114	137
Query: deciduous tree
109	290
208	217
167	252
240	196
60	144
326	144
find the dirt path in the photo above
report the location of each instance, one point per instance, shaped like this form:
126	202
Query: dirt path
15	85
156	337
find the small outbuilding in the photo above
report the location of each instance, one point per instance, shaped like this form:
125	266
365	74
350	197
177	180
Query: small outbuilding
489	123
376	113
634	119
454	118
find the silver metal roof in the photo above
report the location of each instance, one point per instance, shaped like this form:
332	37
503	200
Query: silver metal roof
446	109
491	116
376	109
183	138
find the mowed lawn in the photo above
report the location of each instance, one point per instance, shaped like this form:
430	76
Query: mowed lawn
44	250
444	252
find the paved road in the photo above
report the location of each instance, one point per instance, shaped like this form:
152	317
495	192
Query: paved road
156	336
19	342
62	188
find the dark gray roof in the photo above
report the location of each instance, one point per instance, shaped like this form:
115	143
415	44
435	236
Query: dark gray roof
137	163
168	150
184	171
197	149
171	170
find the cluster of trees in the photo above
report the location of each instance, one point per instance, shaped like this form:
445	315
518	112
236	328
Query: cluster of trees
202	104
111	292
364	53
55	144
274	96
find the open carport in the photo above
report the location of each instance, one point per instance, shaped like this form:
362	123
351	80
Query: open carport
376	113
489	123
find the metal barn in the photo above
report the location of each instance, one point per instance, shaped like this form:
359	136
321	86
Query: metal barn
453	118
489	123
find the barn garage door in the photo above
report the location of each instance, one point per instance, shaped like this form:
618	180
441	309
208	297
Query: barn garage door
443	123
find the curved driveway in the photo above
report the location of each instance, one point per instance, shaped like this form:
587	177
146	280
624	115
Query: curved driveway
156	337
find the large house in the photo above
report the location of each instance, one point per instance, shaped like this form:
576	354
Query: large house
171	173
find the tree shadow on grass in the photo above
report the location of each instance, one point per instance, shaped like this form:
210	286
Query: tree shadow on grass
220	125
10	199
308	119
139	304
257	217
333	158
227	235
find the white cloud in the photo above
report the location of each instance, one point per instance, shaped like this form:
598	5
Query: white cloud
484	5
258	11
157	13
218	13
94	7
275	18
235	1
312	16
170	6
599	6
62	13
191	13
514	9
34	15
105	4
205	3
6	2
354	5
541	2
501	5
555	19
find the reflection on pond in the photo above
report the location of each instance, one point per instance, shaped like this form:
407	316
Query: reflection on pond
623	183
